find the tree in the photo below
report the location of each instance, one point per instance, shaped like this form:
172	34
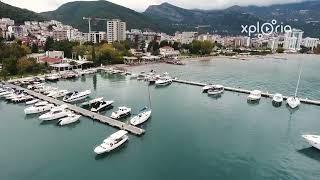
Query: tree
153	47
49	44
304	49
280	50
34	48
164	43
317	49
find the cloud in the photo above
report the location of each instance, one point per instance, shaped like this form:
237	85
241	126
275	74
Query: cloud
141	5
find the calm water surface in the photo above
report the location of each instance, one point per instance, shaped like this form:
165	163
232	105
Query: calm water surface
190	135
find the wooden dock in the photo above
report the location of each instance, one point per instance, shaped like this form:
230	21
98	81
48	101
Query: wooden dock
239	90
98	117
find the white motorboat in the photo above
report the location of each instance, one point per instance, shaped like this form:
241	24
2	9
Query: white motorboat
216	90
101	106
53	77
89	103
277	98
206	88
294	101
38	108
71	118
163	82
255	95
32	101
58	93
122	112
133	76
76	96
55	113
313	140
141	118
112	142
4	93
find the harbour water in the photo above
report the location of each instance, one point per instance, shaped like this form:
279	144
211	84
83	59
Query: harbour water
190	135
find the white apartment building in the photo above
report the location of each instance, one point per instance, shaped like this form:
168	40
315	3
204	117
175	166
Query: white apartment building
185	37
6	22
60	35
95	37
116	30
293	40
310	42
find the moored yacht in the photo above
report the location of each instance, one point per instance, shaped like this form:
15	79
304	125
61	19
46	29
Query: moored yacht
141	117
277	98
255	95
313	140
112	142
163	82
122	112
71	118
32	101
58	93
206	88
101	106
55	113
88	104
216	90
294	101
76	96
38	108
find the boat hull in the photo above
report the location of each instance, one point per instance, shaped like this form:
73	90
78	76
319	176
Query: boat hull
98	150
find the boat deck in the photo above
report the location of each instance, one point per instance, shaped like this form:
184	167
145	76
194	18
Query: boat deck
95	116
239	90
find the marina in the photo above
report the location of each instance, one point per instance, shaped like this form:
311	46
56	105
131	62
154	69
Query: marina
255	141
84	112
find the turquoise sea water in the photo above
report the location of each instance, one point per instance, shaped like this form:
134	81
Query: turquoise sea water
190	135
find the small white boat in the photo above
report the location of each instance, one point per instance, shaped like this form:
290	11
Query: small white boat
71	118
313	140
53	77
163	82
277	98
33	101
38	108
89	103
133	76
206	88
216	90
101	105
4	93
141	118
255	95
122	112
112	142
55	113
76	96
58	93
293	102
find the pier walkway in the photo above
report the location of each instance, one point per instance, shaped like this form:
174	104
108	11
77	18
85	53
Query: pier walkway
98	117
239	90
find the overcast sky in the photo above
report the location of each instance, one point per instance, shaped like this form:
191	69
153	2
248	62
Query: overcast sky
141	5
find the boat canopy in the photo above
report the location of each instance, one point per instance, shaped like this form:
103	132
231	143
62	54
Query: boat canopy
118	134
218	86
256	92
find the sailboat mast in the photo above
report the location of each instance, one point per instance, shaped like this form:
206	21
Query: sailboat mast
295	94
149	98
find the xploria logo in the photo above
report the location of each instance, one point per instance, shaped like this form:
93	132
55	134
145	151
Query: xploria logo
265	29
